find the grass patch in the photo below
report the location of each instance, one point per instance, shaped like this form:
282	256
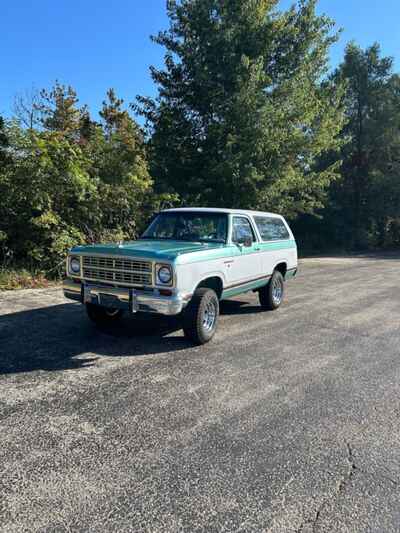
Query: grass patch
11	279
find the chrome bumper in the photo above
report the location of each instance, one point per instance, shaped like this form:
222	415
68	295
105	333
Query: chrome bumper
132	300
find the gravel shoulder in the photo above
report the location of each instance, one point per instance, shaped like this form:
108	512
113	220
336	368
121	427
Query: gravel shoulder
288	421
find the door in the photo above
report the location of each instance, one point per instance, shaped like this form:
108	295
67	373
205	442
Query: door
245	266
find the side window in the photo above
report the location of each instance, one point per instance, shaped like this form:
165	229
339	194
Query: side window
271	229
242	230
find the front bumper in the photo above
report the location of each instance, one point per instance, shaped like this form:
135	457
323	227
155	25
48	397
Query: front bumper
132	300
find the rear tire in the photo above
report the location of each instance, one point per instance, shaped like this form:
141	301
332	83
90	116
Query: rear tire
103	316
271	296
200	318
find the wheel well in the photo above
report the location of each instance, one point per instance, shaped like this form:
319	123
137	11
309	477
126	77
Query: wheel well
282	267
214	283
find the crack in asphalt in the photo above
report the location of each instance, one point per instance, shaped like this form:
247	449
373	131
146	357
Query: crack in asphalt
353	469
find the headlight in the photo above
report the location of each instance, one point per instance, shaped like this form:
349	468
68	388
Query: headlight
74	265
164	274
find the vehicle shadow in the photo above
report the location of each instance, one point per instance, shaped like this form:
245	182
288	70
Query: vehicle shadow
61	337
236	307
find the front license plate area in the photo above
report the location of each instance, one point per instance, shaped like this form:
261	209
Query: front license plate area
126	301
108	300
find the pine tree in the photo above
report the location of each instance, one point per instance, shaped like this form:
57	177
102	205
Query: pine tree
120	163
368	196
123	147
59	111
242	112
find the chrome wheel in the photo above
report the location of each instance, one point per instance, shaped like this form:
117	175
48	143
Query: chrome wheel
200	317
209	316
277	291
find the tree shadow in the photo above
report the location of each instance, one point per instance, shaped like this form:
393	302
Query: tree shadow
388	255
61	337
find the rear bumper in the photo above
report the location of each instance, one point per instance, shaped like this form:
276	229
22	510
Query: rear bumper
132	300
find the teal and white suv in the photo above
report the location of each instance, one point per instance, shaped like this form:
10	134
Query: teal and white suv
187	261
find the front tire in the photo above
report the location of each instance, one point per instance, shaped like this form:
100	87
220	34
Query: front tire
200	318
271	296
103	316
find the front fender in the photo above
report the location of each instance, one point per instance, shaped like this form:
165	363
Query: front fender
189	277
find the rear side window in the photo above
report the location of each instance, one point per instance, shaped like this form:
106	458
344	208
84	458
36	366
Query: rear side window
271	229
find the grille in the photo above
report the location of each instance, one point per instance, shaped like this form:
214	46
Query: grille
122	271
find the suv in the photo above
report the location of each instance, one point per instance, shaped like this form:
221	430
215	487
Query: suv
187	261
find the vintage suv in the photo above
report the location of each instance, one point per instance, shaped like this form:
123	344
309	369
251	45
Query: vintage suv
185	262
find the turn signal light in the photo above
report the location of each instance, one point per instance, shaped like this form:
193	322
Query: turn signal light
165	292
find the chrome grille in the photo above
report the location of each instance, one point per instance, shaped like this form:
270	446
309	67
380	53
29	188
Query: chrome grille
117	270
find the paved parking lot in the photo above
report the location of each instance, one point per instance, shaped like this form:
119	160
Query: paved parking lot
288	421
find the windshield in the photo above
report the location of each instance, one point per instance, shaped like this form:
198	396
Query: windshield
189	226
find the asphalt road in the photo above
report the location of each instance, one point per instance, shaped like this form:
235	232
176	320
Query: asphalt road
288	421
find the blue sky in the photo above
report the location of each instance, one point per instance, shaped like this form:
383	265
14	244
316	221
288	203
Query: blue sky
96	44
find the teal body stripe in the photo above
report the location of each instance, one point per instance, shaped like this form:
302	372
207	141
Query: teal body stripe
246	287
232	251
251	285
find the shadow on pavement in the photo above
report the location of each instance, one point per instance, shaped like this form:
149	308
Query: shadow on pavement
61	337
235	307
55	337
391	255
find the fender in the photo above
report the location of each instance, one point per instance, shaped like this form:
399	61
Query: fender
216	274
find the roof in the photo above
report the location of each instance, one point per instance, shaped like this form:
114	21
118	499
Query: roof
220	210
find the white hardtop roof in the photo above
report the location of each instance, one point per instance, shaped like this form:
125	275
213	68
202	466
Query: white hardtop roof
221	210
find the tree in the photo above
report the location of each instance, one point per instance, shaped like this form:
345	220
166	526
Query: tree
4	143
242	114
72	180
368	195
44	197
27	108
59	111
123	144
5	160
120	163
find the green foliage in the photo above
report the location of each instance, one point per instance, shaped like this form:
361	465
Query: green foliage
4	144
246	116
11	279
59	110
72	181
242	114
367	198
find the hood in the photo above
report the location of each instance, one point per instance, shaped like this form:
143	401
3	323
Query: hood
151	249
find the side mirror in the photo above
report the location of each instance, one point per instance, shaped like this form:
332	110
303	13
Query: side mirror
247	242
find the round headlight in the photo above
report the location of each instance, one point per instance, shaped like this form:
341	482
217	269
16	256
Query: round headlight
75	265
165	275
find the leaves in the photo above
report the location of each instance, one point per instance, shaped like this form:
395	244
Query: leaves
246	116
242	115
369	192
72	181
